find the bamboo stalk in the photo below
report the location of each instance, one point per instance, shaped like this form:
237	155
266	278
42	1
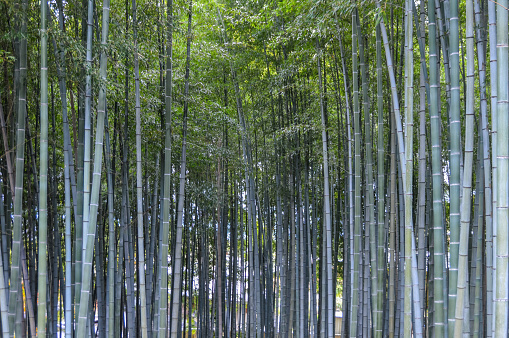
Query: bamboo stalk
502	223
14	284
42	261
96	181
139	193
175	324
357	192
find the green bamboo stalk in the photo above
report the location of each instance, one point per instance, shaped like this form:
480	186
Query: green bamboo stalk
152	262
392	234
409	172
26	286
139	193
501	251
42	269
467	174
4	289
14	284
4	311
492	226
350	173
88	121
303	286
19	310
480	36
381	263
279	246
177	274
83	218
96	181
368	153
3	219
128	248
328	235
112	254
219	237
119	281
165	217
487	181
68	177
436	160
78	232
99	295
421	194
357	187
480	200
454	161
366	300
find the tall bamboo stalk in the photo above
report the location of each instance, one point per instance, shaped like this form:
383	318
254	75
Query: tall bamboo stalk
14	284
485	180
165	216
87	141
436	160
42	261
139	193
502	248
422	173
467	174
368	153
392	234
357	192
69	177
175	325
409	165
96	181
491	227
4	311
381	236
455	159
112	253
4	260
326	198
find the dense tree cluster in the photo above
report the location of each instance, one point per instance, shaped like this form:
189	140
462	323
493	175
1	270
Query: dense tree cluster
254	168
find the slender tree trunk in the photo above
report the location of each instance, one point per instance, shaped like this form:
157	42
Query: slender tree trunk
392	235
42	261
14	285
455	158
165	217
175	324
139	193
357	201
112	252
467	175
219	255
491	228
408	191
381	263
502	247
94	198
4	311
436	157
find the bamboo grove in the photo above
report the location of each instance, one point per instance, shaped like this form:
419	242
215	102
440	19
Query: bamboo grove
254	168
